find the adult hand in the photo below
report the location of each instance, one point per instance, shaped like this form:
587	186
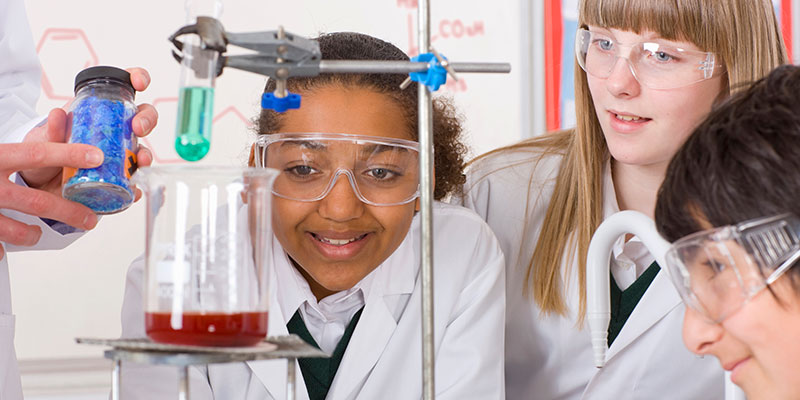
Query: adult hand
40	160
38	156
48	177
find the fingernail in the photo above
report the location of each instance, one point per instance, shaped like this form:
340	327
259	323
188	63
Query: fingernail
90	221
144	123
94	157
145	77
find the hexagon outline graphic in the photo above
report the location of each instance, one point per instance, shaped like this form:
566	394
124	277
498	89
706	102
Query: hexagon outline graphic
63	34
235	111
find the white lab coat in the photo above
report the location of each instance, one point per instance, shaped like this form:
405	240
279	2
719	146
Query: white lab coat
383	358
19	89
10	385
549	357
20	72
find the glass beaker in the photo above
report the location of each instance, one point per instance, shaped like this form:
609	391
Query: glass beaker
206	267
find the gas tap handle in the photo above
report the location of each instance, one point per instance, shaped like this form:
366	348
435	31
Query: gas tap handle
445	64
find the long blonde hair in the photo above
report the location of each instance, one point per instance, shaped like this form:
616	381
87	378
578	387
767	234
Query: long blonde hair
744	35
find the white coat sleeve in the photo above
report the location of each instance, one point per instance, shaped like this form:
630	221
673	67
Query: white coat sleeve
55	235
20	75
50	239
20	71
19	89
145	381
473	344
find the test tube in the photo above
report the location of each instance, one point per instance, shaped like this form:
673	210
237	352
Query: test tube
196	90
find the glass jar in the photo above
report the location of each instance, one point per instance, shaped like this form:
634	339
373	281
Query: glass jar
207	254
101	115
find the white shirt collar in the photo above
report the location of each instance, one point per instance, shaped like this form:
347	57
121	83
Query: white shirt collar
327	319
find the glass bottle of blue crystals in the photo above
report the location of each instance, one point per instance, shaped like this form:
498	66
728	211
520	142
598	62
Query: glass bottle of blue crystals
101	116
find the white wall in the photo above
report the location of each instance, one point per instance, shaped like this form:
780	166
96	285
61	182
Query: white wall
77	292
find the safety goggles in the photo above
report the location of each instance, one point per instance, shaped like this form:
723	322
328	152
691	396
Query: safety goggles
719	270
655	65
381	171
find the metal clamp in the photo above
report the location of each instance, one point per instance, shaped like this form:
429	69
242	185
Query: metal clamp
212	38
279	54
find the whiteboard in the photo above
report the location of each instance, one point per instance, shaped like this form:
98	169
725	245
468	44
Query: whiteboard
77	292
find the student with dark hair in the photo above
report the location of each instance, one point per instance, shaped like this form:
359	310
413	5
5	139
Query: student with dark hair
731	204
346	251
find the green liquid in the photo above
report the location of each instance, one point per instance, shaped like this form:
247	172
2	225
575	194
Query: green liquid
195	114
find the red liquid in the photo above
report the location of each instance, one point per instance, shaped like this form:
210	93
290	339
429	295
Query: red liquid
209	329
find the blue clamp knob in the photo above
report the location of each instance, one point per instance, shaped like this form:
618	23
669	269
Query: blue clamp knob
435	76
280	104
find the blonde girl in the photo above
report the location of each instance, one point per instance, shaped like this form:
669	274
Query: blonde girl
647	73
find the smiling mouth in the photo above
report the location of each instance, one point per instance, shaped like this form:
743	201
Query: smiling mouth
630	118
337	242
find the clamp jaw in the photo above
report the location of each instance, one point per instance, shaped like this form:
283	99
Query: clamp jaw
278	55
299	56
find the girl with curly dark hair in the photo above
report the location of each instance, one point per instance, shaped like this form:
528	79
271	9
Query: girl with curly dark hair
346	254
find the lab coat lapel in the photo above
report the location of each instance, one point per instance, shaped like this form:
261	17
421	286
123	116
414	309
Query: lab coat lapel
659	299
273	373
372	333
395	278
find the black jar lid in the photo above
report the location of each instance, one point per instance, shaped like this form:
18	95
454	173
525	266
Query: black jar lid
103	72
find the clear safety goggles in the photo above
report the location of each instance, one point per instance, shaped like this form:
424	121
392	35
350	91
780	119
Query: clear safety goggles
655	65
381	171
717	271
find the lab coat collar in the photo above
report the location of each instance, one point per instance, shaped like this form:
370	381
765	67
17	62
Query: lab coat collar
294	290
660	297
395	276
288	284
273	373
398	274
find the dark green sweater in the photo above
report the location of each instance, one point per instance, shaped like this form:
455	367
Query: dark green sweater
624	301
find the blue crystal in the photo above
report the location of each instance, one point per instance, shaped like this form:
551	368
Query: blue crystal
106	124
